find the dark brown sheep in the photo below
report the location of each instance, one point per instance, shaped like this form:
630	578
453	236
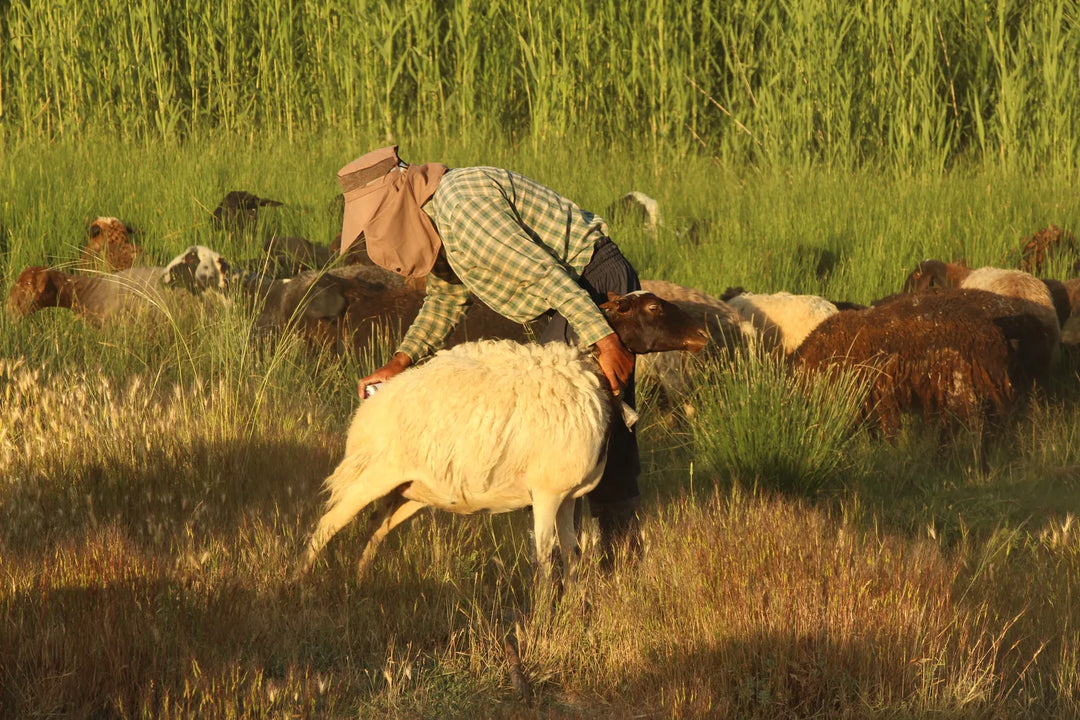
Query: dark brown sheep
949	354
238	211
109	247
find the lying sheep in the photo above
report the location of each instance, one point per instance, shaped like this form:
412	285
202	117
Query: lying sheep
635	207
95	297
936	274
951	354
196	269
1039	247
288	256
492	426
109	247
780	321
238	211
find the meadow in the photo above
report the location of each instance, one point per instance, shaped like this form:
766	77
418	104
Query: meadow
158	477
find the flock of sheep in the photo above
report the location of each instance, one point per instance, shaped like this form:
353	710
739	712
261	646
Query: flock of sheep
955	344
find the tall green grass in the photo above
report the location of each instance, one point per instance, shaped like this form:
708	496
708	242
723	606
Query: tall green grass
916	85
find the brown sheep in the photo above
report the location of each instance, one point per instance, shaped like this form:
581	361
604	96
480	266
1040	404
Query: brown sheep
95	297
951	354
238	211
109	247
1039	247
936	274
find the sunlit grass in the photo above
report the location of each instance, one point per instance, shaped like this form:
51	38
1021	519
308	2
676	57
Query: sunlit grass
159	476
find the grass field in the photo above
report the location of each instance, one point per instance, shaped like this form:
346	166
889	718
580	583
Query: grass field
158	478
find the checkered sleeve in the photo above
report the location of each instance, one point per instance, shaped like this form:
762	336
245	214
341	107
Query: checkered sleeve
444	306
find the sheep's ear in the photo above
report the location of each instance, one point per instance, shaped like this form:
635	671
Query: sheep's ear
612	297
95	230
42	279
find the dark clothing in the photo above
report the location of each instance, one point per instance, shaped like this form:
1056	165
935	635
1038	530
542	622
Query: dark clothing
608	271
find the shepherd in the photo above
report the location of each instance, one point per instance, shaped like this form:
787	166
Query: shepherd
523	250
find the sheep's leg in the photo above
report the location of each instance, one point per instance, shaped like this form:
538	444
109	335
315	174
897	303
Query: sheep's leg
568	544
393	515
545	512
361	492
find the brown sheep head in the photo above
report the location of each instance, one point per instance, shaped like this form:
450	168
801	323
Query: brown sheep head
647	323
936	274
35	288
109	246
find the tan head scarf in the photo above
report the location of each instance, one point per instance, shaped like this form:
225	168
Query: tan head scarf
383	196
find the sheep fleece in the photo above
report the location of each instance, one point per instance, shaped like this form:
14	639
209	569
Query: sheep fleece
481	426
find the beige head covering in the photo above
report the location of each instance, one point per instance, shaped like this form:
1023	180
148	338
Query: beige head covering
383	196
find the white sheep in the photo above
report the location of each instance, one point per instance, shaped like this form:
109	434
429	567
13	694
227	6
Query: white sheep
485	426
781	321
1017	284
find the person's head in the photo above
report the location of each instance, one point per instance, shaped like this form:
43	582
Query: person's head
383	195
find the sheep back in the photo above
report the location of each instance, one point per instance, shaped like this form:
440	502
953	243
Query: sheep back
782	321
953	353
482	426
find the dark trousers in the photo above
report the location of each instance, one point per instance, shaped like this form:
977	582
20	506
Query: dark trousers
608	271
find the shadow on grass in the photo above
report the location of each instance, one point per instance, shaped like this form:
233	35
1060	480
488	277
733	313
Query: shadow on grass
153	647
169	493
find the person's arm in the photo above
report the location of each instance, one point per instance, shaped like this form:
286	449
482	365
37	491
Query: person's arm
444	305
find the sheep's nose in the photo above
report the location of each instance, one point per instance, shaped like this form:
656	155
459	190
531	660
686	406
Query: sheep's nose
697	341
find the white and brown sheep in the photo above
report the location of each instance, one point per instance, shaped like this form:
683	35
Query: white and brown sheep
492	426
198	268
779	322
951	354
95	297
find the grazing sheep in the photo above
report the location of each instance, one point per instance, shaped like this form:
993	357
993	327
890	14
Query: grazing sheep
95	297
951	354
1070	330
109	247
673	370
781	321
492	426
1041	245
238	211
1014	283
636	207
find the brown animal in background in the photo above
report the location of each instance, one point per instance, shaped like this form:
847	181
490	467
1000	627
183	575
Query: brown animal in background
238	211
95	297
288	256
109	247
936	274
1039	247
950	354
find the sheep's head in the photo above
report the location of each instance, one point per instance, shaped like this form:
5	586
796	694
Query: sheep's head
647	323
35	288
197	268
109	245
936	274
238	211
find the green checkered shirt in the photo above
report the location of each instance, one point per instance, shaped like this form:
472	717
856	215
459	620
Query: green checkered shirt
516	245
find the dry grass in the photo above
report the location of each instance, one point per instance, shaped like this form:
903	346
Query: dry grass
147	540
